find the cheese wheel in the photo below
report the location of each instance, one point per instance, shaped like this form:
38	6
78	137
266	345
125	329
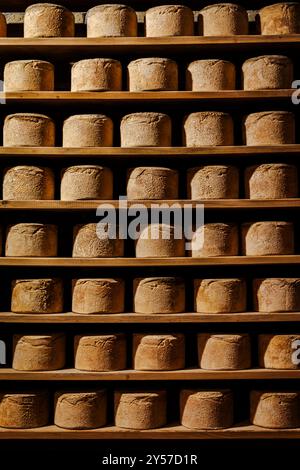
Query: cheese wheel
267	238
88	130
213	182
31	239
278	351
159	295
206	409
210	75
24	410
223	19
146	130
220	295
281	18
215	239
158	352
275	410
269	128
111	20
276	295
39	352
100	352
224	352
28	183
46	20
28	130
208	128
152	74
160	240
3	26
37	296
169	20
28	75
80	410
97	241
152	183
140	410
98	296
82	182
96	75
271	181
267	72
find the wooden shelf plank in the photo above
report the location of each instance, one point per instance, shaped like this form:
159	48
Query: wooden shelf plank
144	262
93	204
78	46
241	431
132	375
57	98
151	152
136	318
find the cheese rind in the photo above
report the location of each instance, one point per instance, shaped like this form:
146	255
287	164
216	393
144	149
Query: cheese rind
100	352
152	74
223	19
276	295
169	20
275	410
159	295
224	351
267	238
280	18
271	181
220	295
46	20
24	410
97	241
82	182
31	240
208	128
88	130
213	182
158	352
98	296
267	72
278	351
269	128
152	183
111	21
28	75
37	296
96	75
215	239
28	183
159	240
28	130
140	410
38	353
210	75
146	130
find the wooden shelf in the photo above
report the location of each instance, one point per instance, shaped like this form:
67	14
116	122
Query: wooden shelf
58	98
150	152
241	431
133	375
92	205
144	262
82	46
157	318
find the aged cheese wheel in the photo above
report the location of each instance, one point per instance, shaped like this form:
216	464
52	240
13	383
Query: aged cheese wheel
39	352
3	27
220	295
152	74
215	239
224	352
276	294
208	128
96	241
140	410
281	18
223	19
100	352
275	410
169	20
271	181
26	410
80	410
213	182
206	409
210	75
27	129
37	296
158	352
159	295
146	130
98	296
46	20
28	75
269	128
34	239
267	72
152	183
111	20
159	240
28	183
86	182
267	238
278	351
96	75
88	130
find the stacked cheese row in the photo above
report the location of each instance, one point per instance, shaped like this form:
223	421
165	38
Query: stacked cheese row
152	74
49	20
